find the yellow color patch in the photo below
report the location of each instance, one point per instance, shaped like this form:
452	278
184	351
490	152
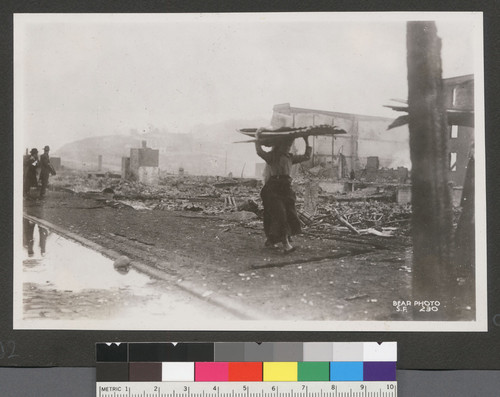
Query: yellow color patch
280	372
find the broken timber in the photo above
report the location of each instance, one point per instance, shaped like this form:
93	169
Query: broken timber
344	221
269	137
463	117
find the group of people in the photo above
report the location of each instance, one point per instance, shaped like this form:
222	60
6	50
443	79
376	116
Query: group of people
278	198
33	163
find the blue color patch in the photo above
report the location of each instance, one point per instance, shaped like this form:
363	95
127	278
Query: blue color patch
346	370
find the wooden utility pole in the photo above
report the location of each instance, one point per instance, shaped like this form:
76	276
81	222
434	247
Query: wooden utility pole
225	165
434	275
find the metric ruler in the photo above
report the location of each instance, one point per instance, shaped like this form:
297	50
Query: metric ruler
247	389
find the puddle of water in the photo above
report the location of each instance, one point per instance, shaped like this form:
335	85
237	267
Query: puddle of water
63	280
67	265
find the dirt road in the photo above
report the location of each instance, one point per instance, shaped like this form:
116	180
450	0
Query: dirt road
329	277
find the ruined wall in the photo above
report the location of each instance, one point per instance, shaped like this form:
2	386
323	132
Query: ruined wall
459	94
366	136
149	175
125	167
143	165
461	146
144	157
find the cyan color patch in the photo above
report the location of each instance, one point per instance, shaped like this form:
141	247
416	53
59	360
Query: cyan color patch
348	370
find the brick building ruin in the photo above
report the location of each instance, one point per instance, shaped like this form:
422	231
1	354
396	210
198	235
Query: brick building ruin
142	165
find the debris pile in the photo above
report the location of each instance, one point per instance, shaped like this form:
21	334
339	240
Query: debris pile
369	209
203	194
371	217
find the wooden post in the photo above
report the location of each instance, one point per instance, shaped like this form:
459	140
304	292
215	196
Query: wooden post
434	275
333	148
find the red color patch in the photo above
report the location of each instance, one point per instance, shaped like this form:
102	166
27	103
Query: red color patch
242	372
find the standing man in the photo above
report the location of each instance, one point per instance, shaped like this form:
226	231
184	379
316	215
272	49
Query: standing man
31	164
46	170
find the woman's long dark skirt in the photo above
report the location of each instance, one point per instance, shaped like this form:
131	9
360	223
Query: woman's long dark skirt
280	215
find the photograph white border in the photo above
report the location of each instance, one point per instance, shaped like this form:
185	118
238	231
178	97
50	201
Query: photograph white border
479	325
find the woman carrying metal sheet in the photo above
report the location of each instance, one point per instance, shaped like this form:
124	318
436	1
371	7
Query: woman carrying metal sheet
280	216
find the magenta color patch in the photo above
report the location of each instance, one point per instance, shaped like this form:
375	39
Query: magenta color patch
211	372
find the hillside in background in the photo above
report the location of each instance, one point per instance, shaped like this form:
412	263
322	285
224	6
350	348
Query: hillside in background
205	150
220	154
85	152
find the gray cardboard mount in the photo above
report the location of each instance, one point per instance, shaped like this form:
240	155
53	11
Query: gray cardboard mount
425	350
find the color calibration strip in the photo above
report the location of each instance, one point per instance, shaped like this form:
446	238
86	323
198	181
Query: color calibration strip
246	362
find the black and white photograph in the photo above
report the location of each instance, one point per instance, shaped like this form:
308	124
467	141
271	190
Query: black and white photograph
250	171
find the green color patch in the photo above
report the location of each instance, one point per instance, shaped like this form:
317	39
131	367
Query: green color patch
313	371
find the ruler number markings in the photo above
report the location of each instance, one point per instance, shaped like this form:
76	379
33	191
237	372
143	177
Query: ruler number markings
243	389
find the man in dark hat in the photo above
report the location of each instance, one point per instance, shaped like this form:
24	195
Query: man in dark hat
31	164
46	170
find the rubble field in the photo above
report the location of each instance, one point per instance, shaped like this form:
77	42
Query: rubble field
352	260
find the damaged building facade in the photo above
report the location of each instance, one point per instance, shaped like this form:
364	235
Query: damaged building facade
459	95
142	165
367	146
369	150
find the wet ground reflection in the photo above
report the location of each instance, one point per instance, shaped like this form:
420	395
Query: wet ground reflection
63	280
64	264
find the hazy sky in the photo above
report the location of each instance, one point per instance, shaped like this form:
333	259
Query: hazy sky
86	75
